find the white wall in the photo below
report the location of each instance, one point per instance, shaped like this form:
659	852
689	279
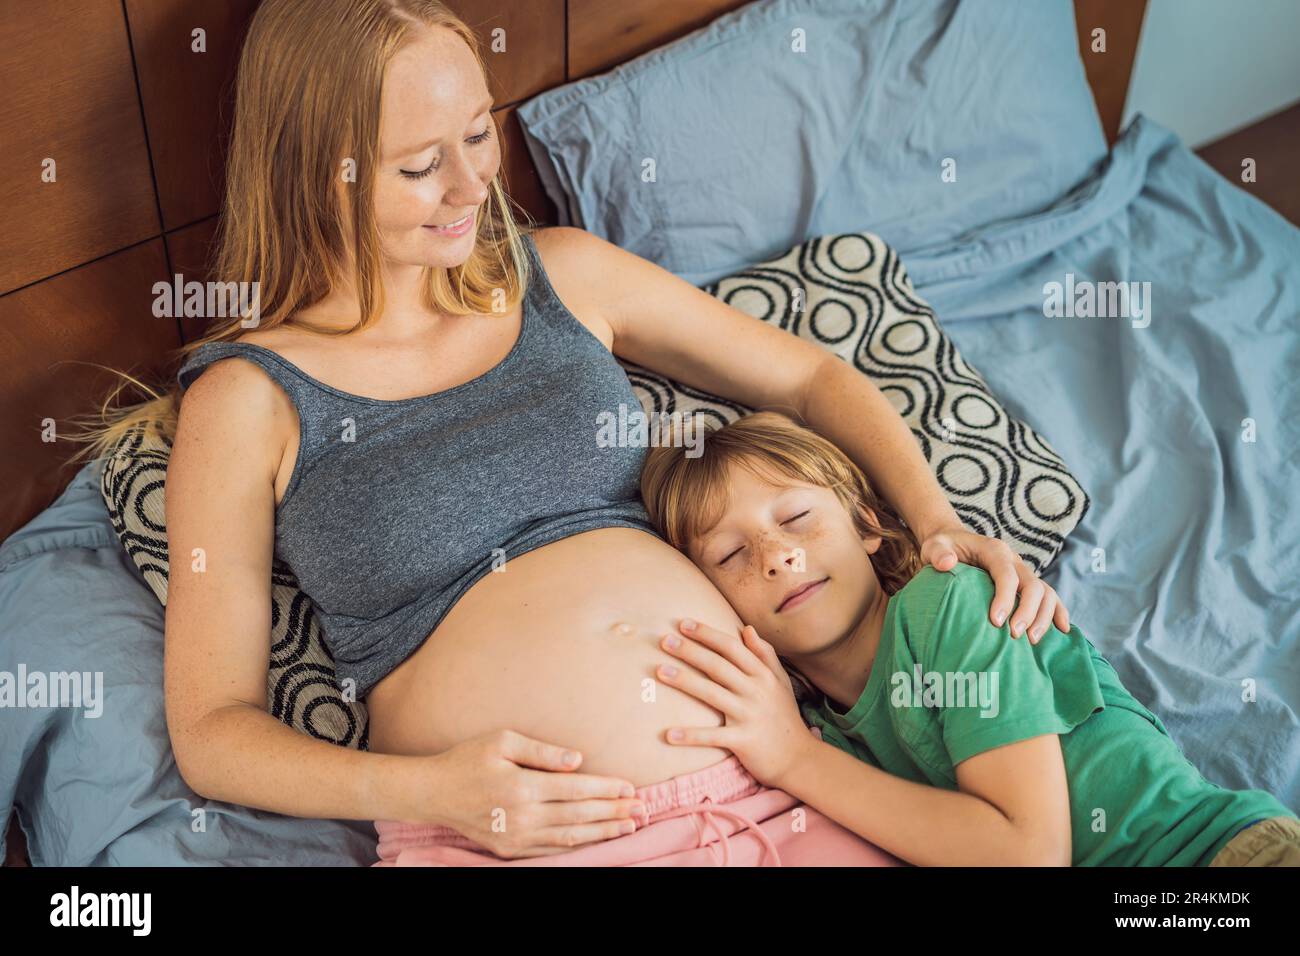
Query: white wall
1205	68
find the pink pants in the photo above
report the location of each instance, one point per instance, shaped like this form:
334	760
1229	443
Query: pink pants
718	816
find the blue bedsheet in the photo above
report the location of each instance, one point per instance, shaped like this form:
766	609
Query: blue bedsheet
1198	607
98	785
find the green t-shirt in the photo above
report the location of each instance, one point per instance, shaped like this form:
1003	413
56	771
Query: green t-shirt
947	684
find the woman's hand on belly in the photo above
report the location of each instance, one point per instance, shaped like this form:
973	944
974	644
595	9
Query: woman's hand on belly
517	797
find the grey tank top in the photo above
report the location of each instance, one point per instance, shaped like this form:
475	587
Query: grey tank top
396	508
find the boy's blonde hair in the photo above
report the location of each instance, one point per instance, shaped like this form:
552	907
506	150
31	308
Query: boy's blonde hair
685	497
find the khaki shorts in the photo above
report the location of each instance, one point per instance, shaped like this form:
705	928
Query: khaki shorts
1271	842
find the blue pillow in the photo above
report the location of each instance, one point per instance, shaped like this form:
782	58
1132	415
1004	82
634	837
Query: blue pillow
728	146
97	784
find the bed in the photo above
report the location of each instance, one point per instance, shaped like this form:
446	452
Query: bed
1184	430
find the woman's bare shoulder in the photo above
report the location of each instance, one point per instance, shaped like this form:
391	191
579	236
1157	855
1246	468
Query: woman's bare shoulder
570	249
575	262
235	400
235	390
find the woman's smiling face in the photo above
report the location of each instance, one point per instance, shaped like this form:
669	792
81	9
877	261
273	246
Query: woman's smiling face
779	535
438	151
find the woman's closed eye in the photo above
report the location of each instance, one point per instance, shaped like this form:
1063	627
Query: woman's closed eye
478	140
802	514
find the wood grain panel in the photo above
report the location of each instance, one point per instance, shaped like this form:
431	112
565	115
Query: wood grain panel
188	96
533	34
1274	144
521	179
15	844
603	34
190	251
1109	72
101	313
69	96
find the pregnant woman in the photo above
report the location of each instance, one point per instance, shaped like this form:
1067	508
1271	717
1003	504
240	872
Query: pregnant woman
410	421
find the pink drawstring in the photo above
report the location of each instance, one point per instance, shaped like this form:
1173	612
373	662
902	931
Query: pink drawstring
768	845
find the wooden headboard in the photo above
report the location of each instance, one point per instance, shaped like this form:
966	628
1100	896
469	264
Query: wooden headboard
135	122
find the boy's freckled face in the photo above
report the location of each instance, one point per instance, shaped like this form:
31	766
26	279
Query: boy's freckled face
774	538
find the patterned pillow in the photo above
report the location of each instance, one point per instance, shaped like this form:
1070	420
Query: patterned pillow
850	294
301	689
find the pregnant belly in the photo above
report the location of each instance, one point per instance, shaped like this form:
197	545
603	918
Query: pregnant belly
562	645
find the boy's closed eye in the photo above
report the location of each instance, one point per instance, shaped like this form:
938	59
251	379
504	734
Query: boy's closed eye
792	521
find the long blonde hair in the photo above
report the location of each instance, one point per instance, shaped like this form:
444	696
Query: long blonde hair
307	100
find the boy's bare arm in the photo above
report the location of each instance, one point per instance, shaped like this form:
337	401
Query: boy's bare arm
1012	809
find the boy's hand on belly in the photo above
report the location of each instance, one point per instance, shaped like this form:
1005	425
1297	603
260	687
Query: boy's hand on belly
742	677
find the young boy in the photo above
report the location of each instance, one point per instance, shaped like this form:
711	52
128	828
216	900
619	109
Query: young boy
944	740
